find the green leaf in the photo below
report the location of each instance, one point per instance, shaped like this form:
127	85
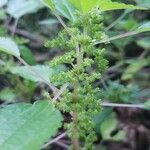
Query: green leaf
134	68
84	5
63	7
104	5
27	126
101	117
27	55
108	126
147	105
18	8
38	73
144	27
49	3
8	46
7	95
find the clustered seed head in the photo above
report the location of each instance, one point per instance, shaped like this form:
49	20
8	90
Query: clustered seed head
81	96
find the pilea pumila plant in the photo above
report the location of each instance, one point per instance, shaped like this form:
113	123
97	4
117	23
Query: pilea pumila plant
84	57
85	63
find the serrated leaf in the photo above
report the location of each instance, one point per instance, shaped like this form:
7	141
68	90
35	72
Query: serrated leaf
9	47
18	8
63	7
104	5
38	73
27	126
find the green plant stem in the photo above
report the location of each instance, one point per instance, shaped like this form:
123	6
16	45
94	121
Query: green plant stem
117	20
75	141
54	140
141	106
117	37
14	27
63	24
62	144
60	92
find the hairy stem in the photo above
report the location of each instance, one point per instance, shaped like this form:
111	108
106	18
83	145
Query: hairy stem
75	140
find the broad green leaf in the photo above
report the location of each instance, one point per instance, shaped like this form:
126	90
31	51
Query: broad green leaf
84	5
104	5
134	68
28	126
38	73
144	27
108	126
9	47
18	8
101	117
63	7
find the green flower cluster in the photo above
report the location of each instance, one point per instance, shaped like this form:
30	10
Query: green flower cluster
86	62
